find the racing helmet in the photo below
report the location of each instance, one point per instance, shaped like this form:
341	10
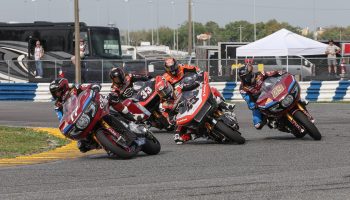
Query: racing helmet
117	75
59	88
171	66
246	74
163	88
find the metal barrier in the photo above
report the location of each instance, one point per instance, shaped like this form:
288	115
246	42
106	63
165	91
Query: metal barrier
319	91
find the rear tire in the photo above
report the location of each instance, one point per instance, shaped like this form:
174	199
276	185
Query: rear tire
152	145
310	128
104	138
229	133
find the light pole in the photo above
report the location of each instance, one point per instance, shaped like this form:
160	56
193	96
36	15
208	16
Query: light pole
99	12
173	16
254	21
128	32
152	20
189	49
157	22
177	39
193	28
36	10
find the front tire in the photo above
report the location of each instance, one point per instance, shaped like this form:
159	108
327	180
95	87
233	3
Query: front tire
105	139
152	145
229	133
308	125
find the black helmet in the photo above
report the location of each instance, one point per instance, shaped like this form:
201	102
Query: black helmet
246	75
59	88
171	66
117	75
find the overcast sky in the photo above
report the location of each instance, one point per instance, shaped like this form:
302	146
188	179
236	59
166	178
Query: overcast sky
143	14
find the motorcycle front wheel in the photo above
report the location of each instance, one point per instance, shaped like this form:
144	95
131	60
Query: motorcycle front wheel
310	127
106	139
232	135
152	145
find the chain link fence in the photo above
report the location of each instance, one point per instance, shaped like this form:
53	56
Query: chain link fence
220	70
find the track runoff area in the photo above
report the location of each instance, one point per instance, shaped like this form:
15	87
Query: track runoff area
271	165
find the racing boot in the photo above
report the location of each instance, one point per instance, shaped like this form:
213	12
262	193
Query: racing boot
85	145
180	139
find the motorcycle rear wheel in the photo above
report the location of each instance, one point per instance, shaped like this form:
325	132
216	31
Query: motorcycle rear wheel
310	127
105	140
229	133
152	145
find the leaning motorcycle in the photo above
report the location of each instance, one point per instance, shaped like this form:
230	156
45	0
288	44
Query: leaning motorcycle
280	105
198	110
87	116
147	96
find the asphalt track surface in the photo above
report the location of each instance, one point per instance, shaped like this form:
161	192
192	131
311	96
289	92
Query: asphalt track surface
271	165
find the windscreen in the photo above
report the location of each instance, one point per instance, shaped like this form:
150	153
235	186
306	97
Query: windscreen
69	106
269	85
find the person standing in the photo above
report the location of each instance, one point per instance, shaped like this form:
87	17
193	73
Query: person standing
38	54
331	53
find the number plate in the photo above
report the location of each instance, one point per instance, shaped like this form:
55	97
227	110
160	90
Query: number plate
277	90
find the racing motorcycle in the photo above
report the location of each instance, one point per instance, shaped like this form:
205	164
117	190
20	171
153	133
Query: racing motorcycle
198	110
280	105
88	116
146	95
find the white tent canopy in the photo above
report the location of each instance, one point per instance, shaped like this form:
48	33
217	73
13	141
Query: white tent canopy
282	43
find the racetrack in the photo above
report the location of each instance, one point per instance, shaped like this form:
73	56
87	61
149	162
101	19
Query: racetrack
271	165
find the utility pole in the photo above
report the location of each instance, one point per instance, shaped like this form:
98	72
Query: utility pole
240	32
189	27
77	39
254	21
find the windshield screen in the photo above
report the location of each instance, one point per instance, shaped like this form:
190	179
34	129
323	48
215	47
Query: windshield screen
69	106
188	100
105	43
269	85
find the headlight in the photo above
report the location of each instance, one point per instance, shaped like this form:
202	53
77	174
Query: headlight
276	108
83	121
91	110
287	101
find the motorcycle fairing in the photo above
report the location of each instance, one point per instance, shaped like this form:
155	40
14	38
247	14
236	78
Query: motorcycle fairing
71	109
146	91
191	102
272	91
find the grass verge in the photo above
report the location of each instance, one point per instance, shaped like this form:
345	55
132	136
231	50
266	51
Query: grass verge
23	141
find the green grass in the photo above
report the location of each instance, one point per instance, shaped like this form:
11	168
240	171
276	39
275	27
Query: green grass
23	141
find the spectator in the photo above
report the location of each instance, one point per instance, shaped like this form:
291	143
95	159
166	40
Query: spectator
331	52
38	54
82	47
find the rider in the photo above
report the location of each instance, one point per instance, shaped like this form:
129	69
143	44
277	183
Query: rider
250	89
122	83
168	102
174	72
61	92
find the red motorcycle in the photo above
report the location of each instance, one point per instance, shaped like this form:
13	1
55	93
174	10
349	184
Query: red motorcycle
198	110
146	95
88	116
280	104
